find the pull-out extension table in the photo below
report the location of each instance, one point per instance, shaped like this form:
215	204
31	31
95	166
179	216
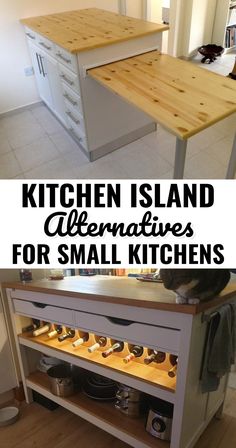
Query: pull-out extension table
183	98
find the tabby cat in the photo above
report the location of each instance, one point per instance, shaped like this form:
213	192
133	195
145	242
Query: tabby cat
195	285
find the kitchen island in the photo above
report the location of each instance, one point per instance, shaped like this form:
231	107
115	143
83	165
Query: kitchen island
134	312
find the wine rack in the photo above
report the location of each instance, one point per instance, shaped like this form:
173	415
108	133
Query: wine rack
154	373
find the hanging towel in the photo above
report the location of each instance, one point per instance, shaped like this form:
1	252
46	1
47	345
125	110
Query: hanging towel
220	347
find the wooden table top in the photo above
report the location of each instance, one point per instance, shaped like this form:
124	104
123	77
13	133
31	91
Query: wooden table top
91	28
120	290
182	97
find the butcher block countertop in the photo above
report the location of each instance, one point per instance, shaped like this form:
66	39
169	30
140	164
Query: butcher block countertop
120	290
86	29
184	98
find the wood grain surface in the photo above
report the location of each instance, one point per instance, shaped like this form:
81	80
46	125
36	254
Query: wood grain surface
120	290
91	28
184	98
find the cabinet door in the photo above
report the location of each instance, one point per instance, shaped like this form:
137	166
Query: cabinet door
39	61
58	104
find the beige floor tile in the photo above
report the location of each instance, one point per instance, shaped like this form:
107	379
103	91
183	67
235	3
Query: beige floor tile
204	166
221	150
46	119
64	142
33	155
55	169
24	135
9	166
4	143
18	120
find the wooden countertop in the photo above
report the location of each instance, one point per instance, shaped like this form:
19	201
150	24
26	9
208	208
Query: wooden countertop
121	290
184	98
91	28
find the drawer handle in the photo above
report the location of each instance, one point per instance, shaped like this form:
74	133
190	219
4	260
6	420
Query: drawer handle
39	305
117	321
72	117
80	139
31	36
64	77
68	61
68	98
45	46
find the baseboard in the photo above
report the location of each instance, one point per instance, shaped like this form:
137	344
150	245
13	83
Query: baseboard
122	141
20	109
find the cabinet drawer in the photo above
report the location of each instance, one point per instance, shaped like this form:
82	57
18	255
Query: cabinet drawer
45	44
31	35
72	98
66	58
77	133
164	339
76	118
44	312
69	78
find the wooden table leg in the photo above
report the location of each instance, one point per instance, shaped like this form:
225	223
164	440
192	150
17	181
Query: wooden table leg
232	162
180	155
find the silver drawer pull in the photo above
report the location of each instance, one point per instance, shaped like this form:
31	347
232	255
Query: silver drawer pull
45	46
80	139
68	98
64	77
31	36
72	117
68	61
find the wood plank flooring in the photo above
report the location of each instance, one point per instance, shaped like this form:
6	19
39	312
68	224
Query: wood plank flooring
39	427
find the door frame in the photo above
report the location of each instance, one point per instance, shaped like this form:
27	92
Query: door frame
175	21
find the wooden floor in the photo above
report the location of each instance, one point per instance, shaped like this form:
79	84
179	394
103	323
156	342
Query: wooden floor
39	427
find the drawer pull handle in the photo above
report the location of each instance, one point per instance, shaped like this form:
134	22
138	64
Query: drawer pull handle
39	305
68	61
68	98
64	77
72	117
80	139
117	321
45	46
31	36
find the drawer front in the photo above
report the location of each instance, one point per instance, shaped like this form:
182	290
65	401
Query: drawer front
45	44
72	98
66	58
47	313
76	118
31	35
77	133
161	338
69	78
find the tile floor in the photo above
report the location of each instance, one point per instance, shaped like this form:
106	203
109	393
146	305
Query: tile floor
33	145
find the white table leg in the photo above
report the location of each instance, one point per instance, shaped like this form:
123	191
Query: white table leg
180	155
232	162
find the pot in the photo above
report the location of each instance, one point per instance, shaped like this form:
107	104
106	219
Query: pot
61	380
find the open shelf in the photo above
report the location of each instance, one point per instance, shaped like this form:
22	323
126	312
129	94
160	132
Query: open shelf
157	380
102	414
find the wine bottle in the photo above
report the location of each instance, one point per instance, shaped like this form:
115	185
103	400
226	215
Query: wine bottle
41	330
55	332
81	340
135	352
35	324
101	342
70	334
116	347
174	361
154	356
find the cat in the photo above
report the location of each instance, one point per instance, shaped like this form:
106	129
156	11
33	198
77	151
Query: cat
195	285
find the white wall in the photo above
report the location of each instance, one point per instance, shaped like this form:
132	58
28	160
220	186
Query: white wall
202	20
16	90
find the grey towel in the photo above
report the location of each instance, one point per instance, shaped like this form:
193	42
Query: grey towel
220	347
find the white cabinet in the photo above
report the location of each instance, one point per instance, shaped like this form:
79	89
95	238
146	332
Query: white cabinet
118	317
40	65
